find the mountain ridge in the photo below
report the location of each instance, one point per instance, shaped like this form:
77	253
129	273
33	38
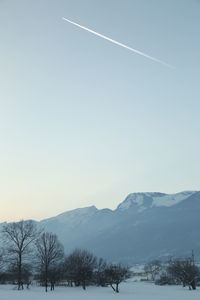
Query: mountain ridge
119	205
126	234
144	226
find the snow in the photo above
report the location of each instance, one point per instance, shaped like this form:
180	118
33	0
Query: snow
154	200
135	198
85	212
73	217
169	200
128	291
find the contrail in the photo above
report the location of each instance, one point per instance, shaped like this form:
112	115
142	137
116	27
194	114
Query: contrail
119	44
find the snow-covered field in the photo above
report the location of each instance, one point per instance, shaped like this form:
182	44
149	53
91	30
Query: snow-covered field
128	291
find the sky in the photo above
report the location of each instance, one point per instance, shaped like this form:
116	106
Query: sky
85	122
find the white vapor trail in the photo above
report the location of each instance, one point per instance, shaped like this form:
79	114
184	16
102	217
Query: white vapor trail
119	44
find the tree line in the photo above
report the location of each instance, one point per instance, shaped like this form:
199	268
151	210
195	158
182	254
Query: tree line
175	271
29	254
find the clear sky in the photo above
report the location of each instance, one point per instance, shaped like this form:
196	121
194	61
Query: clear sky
84	122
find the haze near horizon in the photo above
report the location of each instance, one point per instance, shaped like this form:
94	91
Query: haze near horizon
84	122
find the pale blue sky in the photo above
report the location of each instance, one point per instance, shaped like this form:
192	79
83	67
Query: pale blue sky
85	122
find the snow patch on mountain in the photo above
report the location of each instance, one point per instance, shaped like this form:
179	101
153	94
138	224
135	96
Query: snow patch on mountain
171	199
130	200
142	201
85	212
74	217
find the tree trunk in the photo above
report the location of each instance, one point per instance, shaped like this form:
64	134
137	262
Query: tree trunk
113	288
193	284
20	272
46	279
84	285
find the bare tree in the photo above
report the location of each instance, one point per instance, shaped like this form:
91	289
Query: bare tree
70	269
153	268
184	272
50	252
115	274
26	273
99	274
1	265
79	267
55	275
1	260
19	236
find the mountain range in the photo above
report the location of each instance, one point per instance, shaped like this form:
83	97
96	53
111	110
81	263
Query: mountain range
144	226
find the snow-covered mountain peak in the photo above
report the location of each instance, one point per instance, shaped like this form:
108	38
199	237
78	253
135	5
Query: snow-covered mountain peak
142	201
138	200
171	199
